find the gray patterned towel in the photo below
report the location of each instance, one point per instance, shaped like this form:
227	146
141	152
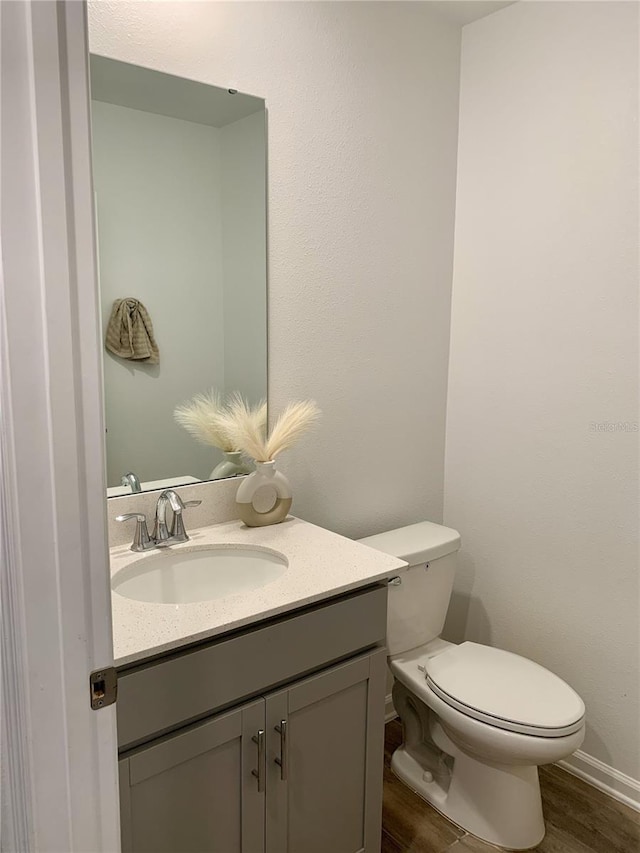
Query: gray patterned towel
130	332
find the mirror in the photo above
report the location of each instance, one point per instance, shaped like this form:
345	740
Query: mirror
180	193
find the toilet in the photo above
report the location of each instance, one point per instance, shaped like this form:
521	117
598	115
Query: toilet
477	720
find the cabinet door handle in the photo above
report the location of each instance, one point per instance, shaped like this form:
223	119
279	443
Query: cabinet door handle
283	761
259	773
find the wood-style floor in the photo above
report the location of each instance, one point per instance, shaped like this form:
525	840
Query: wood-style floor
579	818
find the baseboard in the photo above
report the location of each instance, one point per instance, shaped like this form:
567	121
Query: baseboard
614	783
389	710
591	770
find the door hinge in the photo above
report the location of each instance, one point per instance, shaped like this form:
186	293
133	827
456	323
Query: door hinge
103	687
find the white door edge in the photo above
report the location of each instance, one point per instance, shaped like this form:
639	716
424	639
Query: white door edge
59	758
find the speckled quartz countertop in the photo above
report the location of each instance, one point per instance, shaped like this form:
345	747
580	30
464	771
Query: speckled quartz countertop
322	564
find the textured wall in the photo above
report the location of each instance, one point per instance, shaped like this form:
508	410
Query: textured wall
363	109
544	345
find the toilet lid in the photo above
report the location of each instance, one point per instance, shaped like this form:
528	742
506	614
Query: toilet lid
505	690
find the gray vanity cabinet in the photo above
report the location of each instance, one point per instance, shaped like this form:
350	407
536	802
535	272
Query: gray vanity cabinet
194	791
294	767
324	761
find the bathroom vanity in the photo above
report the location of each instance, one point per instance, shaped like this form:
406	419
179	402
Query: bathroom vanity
250	662
255	722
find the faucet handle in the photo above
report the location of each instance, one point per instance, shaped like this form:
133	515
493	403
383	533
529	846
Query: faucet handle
141	540
177	532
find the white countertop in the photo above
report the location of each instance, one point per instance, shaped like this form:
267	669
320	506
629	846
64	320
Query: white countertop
322	564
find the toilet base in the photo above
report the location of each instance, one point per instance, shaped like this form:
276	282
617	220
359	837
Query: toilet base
498	804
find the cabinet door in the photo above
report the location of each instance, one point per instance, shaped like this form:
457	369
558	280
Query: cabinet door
195	791
324	761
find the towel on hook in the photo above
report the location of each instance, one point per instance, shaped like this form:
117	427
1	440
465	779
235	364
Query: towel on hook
130	332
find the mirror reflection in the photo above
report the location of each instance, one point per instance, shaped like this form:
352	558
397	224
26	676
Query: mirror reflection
180	180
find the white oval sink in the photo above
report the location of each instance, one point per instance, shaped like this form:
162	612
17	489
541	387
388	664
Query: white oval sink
182	577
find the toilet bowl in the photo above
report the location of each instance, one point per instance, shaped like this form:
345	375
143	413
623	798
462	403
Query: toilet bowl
477	721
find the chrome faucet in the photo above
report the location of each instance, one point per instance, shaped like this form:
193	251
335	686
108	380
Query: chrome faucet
132	480
162	535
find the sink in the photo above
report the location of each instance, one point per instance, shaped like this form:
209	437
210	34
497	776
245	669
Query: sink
202	574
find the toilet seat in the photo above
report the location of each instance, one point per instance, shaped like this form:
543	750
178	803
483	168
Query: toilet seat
504	690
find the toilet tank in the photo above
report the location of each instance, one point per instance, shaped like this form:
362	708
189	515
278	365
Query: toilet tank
418	604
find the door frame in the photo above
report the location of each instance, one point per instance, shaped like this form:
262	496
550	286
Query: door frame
59	758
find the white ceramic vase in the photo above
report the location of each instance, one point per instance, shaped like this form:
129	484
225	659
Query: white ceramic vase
231	466
264	497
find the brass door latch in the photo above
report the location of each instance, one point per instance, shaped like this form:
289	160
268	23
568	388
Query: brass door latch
103	687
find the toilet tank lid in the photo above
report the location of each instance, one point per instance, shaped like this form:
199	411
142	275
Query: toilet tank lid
416	543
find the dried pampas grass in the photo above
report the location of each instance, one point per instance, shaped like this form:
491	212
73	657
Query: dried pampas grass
235	425
201	419
208	419
249	434
292	423
247	425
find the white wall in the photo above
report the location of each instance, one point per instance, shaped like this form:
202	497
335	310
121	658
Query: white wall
244	255
544	345
158	188
363	102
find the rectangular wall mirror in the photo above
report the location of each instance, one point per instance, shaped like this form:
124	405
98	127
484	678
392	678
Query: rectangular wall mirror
180	195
